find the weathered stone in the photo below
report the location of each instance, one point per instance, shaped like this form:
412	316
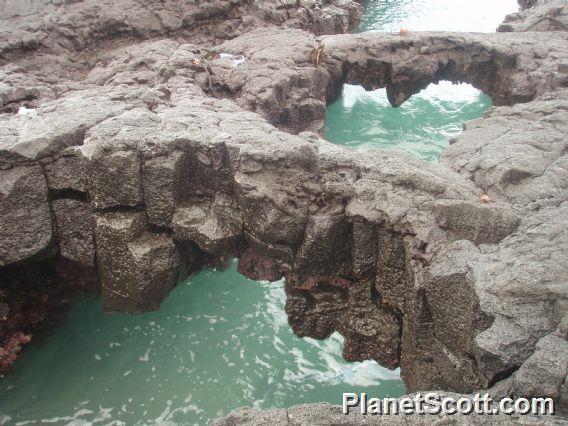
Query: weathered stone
57	30
399	256
136	270
543	15
258	267
316	314
325	248
158	181
243	416
364	248
563	401
113	233
215	225
290	96
502	348
270	212
475	222
371	330
66	173
75	222
544	372
503	65
391	279
452	302
156	262
517	153
58	125
324	413
204	169
114	180
25	219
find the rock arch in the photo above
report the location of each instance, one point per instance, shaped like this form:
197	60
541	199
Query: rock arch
505	67
137	172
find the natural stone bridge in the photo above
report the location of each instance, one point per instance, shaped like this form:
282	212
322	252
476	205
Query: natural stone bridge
165	156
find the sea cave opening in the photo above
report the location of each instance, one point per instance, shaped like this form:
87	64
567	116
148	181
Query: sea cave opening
219	341
422	125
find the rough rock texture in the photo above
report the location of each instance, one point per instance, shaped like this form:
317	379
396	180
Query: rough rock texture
510	68
25	227
327	414
47	46
77	24
168	152
542	16
136	270
527	4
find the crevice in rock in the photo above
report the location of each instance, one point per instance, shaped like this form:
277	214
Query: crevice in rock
121	209
502	375
69	194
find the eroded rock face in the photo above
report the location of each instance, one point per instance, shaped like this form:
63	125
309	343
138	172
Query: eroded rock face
527	4
136	269
551	15
325	413
25	219
510	68
168	152
55	30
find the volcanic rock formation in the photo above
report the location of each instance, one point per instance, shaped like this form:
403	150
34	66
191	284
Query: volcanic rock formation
155	156
550	15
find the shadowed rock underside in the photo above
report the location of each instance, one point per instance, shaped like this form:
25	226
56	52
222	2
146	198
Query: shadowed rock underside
155	156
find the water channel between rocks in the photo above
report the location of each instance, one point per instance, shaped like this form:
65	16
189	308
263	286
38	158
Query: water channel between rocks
423	124
221	340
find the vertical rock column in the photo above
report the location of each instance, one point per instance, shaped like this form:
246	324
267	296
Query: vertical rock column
25	220
137	270
137	266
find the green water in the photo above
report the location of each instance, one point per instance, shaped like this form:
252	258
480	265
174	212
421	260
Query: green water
220	341
423	124
435	15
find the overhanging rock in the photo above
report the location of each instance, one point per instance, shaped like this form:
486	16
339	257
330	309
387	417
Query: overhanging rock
371	243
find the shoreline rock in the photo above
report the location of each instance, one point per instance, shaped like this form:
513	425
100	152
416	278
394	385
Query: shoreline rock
178	155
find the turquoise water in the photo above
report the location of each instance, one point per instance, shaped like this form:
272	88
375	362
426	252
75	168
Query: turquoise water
220	341
435	15
423	124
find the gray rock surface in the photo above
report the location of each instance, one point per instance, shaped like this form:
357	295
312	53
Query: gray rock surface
74	225
214	225
137	269
511	68
327	414
25	218
454	272
68	37
528	4
551	15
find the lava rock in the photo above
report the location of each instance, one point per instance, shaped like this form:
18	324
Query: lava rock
25	219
